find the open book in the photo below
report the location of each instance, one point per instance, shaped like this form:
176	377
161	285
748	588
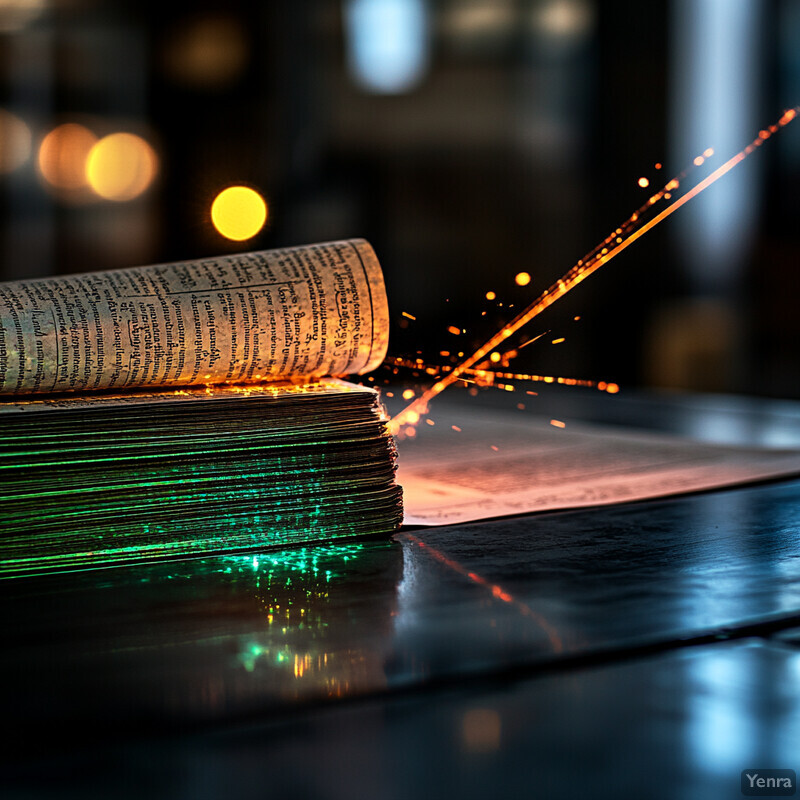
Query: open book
136	420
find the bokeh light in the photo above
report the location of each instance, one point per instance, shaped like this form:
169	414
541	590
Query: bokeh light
62	156
238	213
522	279
15	141
18	14
121	166
210	52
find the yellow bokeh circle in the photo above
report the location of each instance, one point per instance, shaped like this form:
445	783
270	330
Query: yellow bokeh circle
238	213
121	166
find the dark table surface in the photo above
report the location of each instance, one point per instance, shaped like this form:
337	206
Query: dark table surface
647	649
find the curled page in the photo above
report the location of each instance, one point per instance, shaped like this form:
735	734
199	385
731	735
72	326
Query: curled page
299	312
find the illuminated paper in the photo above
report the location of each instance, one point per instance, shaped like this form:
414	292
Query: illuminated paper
294	313
497	464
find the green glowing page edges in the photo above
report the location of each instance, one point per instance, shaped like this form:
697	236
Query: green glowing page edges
100	480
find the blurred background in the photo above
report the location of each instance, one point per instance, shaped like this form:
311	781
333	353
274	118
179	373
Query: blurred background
470	141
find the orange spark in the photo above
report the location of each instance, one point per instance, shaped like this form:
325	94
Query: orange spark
522	279
490	295
410	316
531	341
643	182
557	423
455	331
456	428
583	269
558	341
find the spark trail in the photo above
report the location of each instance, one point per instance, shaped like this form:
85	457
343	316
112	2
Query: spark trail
620	239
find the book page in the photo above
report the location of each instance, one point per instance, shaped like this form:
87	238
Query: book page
275	390
298	312
498	464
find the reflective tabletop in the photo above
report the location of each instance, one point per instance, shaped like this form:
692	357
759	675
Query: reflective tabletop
657	635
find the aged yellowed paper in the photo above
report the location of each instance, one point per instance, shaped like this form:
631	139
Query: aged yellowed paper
298	312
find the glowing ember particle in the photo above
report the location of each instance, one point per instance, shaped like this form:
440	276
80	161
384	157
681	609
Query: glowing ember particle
444	353
495	447
576	318
491	296
456	428
658	165
708	152
390	394
408	394
410	316
535	394
643	182
699	161
413	417
495	357
409	431
429	422
522	279
557	423
455	331
558	341
612	388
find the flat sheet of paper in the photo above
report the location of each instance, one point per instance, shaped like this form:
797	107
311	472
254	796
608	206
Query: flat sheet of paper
501	463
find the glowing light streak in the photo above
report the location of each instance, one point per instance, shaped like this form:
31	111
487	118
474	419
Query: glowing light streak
488	377
531	341
631	230
409	316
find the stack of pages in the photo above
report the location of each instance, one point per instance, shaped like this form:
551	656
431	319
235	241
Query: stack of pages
121	479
